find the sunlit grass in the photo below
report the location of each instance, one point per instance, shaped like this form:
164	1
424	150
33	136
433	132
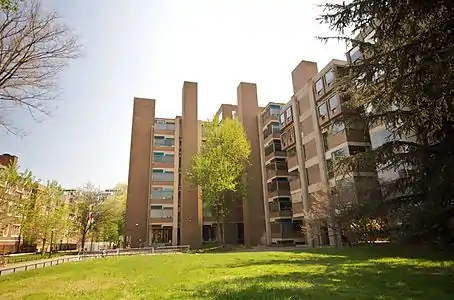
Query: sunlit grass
319	274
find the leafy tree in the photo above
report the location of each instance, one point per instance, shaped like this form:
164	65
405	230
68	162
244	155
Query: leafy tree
339	209
404	81
36	47
15	188
91	211
219	167
112	228
49	219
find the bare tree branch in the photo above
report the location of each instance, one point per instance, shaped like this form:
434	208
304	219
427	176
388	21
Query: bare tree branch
35	47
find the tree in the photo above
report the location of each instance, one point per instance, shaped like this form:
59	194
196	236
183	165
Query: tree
35	48
219	167
404	80
14	194
339	209
49	221
90	211
112	229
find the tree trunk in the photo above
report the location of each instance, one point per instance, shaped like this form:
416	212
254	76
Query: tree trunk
43	250
82	242
223	233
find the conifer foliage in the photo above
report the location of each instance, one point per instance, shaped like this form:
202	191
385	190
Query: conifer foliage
404	80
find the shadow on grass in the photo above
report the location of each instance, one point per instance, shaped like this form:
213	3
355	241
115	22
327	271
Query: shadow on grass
322	276
387	251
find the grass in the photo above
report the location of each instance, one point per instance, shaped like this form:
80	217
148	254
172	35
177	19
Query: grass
311	274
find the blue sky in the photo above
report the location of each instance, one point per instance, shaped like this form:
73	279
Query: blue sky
147	48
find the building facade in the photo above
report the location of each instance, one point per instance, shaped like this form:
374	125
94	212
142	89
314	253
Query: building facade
162	206
293	146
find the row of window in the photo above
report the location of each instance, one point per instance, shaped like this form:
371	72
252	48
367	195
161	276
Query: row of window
329	107
162	175
161	157
326	80
164	125
160	212
13	230
164	141
162	193
286	116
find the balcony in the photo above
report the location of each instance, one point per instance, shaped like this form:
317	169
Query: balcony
275	173
292	162
278	188
268	117
272	136
276	154
281	214
163	161
295	184
162	178
163	127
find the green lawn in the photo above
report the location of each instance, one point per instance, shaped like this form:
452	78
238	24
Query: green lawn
312	274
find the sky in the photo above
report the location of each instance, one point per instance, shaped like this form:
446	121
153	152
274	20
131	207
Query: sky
147	48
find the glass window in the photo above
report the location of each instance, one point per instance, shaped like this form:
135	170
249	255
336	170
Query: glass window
282	118
234	114
275	110
339	153
319	87
379	137
338	127
334	103
370	38
162	193
355	54
275	128
322	111
167	212
220	116
329	77
169	142
288	113
159	140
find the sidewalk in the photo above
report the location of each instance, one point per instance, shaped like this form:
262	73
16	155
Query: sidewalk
36	264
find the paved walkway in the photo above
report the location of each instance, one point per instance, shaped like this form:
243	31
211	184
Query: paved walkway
36	264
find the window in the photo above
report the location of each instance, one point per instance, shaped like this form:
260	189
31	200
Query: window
323	111
234	116
275	128
164	125
370	38
379	137
162	193
339	153
161	175
355	54
220	116
319	87
282	119
329	77
338	127
15	230
275	110
334	103
167	212
288	113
